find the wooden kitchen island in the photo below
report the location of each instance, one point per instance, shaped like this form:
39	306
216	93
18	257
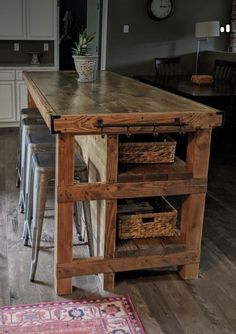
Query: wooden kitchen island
98	114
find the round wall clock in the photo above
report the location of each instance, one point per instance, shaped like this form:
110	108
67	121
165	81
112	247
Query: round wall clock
159	9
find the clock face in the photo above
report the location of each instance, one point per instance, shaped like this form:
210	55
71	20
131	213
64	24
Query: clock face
159	9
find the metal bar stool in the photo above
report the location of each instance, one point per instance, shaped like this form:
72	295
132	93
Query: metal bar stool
36	141
28	124
43	169
25	113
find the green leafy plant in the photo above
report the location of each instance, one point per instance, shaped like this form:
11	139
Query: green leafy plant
82	46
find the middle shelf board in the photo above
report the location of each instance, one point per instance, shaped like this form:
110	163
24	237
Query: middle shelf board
154	172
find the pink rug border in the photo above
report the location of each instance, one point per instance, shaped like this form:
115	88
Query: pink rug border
102	299
135	314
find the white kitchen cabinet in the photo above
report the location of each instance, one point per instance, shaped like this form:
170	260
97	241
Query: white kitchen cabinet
7	98
7	75
12	19
21	97
41	19
13	94
28	19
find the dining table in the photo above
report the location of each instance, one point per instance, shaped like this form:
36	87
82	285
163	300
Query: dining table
92	118
219	92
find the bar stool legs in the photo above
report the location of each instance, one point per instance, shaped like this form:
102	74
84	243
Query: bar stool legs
41	181
18	170
87	215
78	220
28	211
43	171
88	225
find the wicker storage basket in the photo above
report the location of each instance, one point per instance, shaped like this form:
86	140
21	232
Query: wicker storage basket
146	218
161	151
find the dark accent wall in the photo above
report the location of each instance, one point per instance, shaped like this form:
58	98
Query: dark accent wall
22	57
207	60
133	53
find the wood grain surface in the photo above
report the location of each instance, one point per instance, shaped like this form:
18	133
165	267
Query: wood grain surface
111	209
153	172
63	211
101	265
192	213
99	190
112	98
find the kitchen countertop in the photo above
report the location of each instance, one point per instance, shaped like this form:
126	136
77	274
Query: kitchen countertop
112	98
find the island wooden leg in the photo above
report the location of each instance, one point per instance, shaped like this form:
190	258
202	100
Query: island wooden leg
192	212
110	235
64	211
31	103
111	208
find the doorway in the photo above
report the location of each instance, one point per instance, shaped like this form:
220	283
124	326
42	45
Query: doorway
74	16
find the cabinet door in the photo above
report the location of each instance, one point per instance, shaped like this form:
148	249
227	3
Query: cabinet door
7	98
41	19
21	97
12	19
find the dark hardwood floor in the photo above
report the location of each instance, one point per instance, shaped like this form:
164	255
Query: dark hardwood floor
165	303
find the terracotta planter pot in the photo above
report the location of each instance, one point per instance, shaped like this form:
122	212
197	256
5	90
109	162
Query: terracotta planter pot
86	67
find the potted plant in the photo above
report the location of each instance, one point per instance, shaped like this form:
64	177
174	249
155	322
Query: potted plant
85	63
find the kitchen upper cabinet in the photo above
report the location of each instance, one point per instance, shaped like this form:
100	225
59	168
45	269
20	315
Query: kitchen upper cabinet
12	19
41	19
28	19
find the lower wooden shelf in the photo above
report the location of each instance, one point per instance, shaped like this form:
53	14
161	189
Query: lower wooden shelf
171	256
149	246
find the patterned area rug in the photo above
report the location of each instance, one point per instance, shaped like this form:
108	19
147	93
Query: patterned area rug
114	315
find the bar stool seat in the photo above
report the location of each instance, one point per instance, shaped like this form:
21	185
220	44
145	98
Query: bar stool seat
32	112
43	171
24	113
28	124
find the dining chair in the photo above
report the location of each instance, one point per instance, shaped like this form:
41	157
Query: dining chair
225	77
224	70
167	66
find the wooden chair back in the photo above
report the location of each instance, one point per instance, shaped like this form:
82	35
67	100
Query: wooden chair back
167	66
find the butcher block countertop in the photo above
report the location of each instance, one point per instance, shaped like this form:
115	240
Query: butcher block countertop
85	108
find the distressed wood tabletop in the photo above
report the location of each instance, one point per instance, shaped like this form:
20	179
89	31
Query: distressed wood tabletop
69	106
